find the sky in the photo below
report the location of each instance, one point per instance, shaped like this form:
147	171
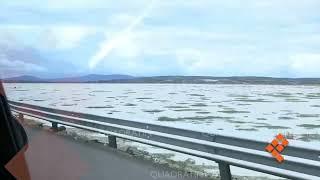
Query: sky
54	38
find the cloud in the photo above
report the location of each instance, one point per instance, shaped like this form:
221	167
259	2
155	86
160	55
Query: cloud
74	4
194	61
65	37
50	37
18	65
15	58
109	44
18	58
9	67
306	64
203	37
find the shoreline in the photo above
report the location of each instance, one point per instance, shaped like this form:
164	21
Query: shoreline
188	166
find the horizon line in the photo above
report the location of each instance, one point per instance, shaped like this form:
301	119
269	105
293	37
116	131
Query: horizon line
146	76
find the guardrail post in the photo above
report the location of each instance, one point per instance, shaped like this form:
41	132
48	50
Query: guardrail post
55	126
20	117
224	169
112	141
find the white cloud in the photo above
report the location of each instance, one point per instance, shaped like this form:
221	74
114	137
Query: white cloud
65	37
74	5
194	60
129	48
51	37
306	64
110	44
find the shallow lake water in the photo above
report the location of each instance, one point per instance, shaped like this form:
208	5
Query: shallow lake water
242	110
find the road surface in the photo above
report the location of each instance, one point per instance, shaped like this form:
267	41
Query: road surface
54	157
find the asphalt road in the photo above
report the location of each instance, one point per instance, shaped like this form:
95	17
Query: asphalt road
55	157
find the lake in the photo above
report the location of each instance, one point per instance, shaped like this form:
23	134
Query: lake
246	110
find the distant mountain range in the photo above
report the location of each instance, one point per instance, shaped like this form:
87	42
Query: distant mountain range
77	79
119	78
24	78
220	80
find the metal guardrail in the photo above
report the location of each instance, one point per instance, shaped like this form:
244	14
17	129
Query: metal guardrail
300	163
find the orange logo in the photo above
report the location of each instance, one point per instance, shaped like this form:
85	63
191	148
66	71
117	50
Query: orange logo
277	146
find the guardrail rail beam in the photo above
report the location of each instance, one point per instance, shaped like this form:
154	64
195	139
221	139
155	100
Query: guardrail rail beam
301	162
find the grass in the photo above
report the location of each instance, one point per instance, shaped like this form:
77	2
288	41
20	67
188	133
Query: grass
215	102
203	112
309	137
295	100
99	107
196	118
115	111
159	100
153	111
286	110
68	104
285	118
272	127
130	92
195	94
199	105
247	129
309	126
233	111
243	104
252	100
172	93
313	96
130	104
186	109
236	122
163	118
99	91
279	95
205	99
143	98
239	95
183	103
176	107
308	115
